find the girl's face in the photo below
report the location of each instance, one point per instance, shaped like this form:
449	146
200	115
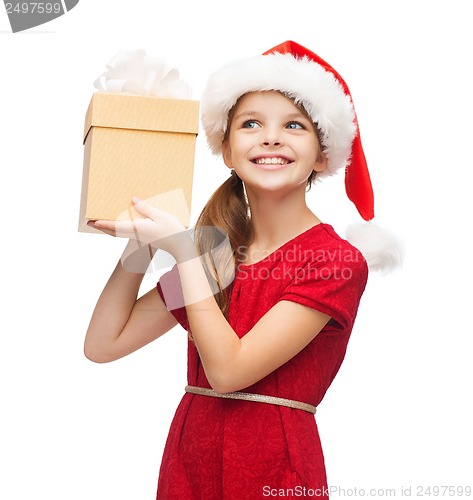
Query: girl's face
271	143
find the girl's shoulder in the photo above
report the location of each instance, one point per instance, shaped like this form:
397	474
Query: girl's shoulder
323	238
318	246
322	248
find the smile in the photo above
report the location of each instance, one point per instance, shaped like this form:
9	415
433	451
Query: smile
271	162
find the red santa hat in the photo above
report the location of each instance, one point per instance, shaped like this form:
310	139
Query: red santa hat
311	82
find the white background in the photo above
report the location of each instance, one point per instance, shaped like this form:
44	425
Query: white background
399	412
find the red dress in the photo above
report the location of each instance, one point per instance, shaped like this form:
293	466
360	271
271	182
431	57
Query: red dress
222	449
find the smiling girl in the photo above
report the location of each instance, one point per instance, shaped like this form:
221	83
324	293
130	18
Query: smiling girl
265	345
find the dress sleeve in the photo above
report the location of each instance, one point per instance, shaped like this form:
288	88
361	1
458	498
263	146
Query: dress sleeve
331	286
169	288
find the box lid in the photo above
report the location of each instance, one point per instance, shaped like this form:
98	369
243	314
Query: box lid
142	113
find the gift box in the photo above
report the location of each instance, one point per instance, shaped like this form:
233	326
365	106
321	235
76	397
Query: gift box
137	145
139	140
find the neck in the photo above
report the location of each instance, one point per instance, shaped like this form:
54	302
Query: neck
277	219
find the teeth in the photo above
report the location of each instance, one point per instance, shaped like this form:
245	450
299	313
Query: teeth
270	161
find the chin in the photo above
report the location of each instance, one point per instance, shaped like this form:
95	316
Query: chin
274	186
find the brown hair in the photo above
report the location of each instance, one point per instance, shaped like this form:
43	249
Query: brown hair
227	211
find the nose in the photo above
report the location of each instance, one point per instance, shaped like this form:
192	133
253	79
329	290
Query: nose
271	138
272	142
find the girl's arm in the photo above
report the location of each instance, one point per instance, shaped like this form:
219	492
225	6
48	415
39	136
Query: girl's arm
121	323
230	363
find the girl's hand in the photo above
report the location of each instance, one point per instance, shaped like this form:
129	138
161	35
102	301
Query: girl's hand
159	229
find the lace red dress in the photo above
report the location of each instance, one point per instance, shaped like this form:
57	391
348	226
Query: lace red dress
222	449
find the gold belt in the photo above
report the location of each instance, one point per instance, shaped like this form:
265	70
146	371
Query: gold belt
248	396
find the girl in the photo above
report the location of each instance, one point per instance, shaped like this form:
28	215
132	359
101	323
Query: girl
266	346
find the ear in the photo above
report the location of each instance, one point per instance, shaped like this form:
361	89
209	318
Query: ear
227	154
321	162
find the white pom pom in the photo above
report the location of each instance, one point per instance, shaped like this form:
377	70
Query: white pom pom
382	249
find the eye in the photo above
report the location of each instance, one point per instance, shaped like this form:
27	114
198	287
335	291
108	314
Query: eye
295	126
250	124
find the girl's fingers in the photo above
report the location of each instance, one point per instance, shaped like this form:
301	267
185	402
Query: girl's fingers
141	205
154	228
146	209
128	229
119	228
105	226
96	224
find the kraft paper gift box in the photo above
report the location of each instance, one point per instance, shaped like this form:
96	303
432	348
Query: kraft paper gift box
137	146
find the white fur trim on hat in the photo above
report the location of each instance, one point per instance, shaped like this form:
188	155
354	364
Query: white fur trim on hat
302	79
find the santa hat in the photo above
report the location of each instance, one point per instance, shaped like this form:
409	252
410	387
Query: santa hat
311	82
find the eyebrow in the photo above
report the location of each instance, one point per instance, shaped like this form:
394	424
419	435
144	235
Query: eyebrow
245	114
255	114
